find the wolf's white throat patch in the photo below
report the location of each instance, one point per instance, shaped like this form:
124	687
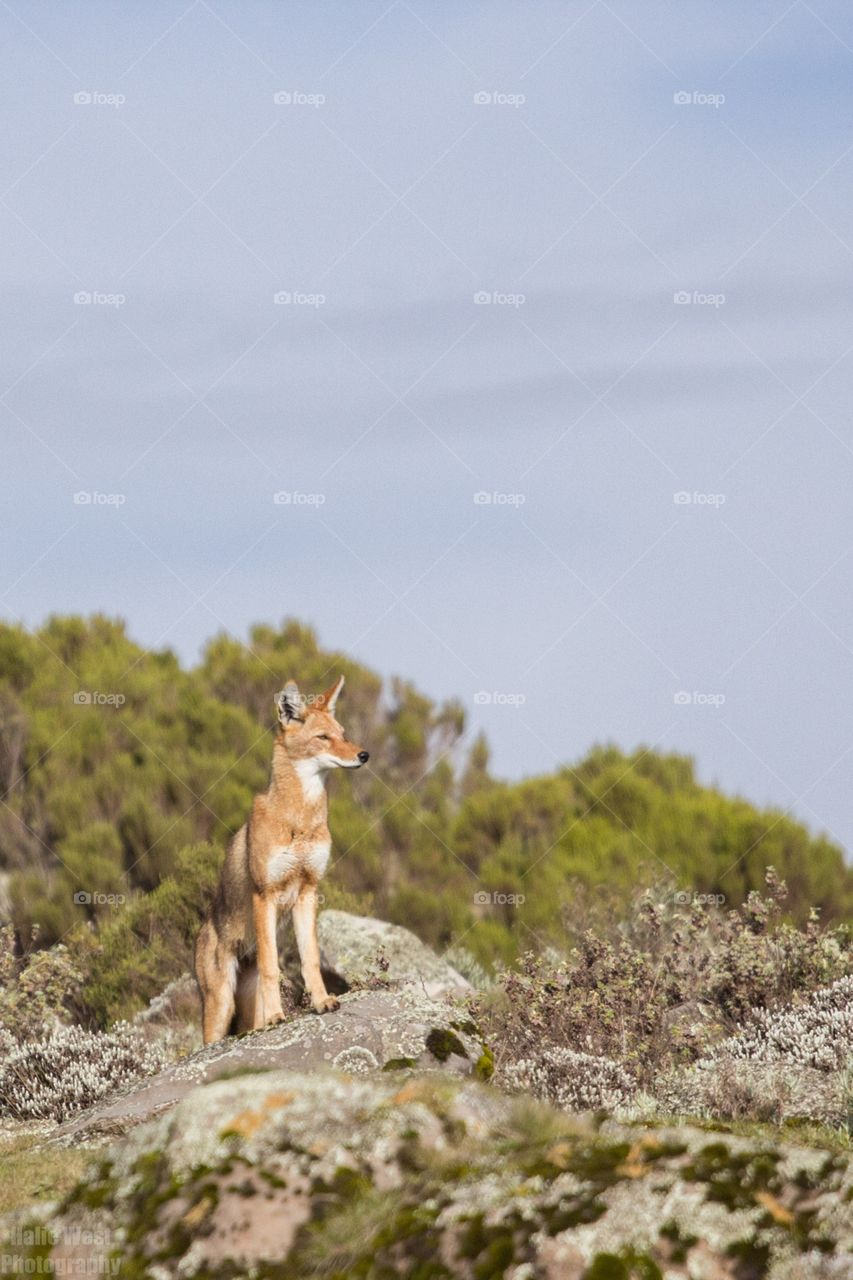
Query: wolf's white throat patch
310	776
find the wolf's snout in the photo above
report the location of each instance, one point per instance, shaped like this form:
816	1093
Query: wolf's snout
363	757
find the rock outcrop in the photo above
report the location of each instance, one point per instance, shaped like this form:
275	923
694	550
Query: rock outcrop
350	948
287	1174
372	1030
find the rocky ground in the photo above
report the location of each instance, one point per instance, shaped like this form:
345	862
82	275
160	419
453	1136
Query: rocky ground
370	1143
290	1174
383	1030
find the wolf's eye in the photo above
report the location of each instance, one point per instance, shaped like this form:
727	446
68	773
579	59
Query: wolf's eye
324	737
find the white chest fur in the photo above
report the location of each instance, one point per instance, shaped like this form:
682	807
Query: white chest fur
282	864
285	862
318	858
288	862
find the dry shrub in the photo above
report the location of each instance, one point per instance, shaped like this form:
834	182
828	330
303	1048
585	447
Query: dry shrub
816	1033
781	1064
660	990
575	1081
49	1069
71	1068
38	990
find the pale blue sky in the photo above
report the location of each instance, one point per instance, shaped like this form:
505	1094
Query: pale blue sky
384	191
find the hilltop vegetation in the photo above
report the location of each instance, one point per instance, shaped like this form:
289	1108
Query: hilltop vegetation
132	790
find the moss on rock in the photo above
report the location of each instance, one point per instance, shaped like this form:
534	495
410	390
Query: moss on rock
442	1043
440	1176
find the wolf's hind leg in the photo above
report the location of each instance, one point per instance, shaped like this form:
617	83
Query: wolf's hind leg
246	992
268	1008
216	973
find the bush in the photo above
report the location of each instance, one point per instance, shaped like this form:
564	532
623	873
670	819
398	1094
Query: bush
179	761
727	1089
37	991
51	1077
780	1064
575	1081
667	985
818	1033
150	941
792	1062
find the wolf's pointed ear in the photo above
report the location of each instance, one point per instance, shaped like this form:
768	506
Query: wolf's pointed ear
288	703
330	697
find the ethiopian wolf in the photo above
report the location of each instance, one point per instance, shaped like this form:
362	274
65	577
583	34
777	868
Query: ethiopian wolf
274	862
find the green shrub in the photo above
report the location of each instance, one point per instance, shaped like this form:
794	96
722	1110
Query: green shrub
103	797
151	940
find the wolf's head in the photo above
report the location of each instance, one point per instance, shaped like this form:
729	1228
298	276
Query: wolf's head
309	731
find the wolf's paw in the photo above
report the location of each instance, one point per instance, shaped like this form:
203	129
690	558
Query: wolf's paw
327	1004
272	1021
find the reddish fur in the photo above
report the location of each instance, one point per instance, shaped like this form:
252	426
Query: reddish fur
275	860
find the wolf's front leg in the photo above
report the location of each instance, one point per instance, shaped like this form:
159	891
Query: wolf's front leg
305	928
268	998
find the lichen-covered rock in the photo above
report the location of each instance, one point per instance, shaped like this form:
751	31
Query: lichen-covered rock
284	1174
372	1030
351	948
